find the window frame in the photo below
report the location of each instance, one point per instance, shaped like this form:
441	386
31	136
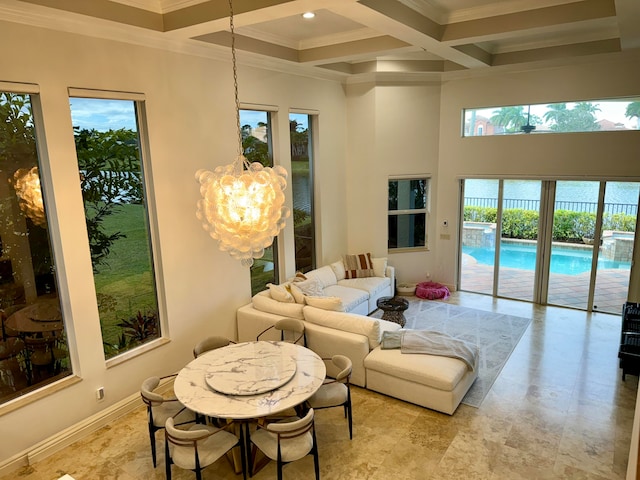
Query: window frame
411	211
146	171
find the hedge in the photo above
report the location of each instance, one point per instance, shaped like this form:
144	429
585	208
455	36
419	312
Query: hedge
568	226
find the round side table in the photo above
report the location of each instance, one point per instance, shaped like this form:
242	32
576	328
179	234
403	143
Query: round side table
393	308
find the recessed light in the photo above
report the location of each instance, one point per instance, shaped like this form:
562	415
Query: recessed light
308	15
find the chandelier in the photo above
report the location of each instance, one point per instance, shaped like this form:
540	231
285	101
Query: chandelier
26	183
242	204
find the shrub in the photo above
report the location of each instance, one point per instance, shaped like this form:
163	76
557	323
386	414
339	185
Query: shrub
568	225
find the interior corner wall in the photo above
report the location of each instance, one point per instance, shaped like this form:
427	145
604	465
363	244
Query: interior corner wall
393	131
586	156
190	114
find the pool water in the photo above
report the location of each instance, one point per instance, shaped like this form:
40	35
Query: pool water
567	261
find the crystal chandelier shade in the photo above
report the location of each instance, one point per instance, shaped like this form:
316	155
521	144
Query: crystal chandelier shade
26	183
242	204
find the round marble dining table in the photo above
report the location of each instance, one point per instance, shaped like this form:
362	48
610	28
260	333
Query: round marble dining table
259	378
41	316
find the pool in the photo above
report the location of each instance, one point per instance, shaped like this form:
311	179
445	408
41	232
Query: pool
568	261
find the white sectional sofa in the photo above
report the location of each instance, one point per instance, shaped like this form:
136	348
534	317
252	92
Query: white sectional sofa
435	382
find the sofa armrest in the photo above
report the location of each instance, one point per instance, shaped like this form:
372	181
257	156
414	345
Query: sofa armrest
391	273
327	342
252	322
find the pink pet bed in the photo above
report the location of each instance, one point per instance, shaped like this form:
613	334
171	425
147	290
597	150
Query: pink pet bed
431	291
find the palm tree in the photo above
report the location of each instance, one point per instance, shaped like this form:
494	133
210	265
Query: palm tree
556	115
633	110
511	118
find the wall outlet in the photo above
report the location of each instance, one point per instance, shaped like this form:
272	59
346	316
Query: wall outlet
100	394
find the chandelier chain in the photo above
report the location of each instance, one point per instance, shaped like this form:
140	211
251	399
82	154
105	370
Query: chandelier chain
235	77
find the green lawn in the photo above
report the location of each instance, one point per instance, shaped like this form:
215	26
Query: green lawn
125	283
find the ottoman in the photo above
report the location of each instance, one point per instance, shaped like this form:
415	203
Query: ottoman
432	381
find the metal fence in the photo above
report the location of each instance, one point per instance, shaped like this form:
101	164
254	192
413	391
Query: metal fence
592	207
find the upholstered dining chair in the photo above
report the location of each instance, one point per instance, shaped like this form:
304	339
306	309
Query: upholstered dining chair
210	343
335	391
291	330
286	441
159	409
198	447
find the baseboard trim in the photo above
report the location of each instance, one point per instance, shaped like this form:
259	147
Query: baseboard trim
76	432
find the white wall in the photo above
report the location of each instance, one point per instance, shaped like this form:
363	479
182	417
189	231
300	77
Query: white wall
578	156
393	130
191	120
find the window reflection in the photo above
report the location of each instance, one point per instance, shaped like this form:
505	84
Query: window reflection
33	346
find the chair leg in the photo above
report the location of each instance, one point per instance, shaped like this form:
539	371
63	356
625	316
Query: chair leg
350	413
167	460
152	439
279	461
316	460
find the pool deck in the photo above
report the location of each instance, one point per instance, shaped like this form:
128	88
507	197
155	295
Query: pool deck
564	290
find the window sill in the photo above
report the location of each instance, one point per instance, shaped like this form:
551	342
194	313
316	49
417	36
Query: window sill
408	250
141	350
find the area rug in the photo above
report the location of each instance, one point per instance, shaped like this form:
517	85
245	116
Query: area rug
496	335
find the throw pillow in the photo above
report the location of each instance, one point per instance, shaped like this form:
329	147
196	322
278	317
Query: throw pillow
326	303
311	287
338	269
380	267
299	277
280	293
298	295
358	266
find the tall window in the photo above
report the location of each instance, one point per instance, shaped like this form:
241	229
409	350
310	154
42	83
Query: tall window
256	142
302	187
408	213
33	346
113	190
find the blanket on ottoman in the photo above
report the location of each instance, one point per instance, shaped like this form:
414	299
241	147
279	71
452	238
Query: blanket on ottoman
430	342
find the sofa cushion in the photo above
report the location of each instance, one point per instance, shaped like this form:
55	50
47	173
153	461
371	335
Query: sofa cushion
296	293
372	285
348	322
262	301
358	266
435	371
280	293
324	275
351	297
379	266
338	270
325	303
311	286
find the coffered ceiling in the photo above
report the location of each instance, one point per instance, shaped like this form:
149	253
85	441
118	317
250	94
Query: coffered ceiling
351	38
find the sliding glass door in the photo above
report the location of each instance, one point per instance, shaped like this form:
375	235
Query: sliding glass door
566	243
518	247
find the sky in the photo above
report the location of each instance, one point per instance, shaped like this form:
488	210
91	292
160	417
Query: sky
102	115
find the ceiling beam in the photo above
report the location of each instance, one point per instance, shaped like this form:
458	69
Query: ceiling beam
629	23
514	24
404	23
106	10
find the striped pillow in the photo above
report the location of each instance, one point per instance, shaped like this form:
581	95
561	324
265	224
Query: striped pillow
358	266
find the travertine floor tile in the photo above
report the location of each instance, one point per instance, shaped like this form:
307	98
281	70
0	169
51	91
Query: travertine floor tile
558	410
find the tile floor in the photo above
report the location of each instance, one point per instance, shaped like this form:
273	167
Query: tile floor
564	290
558	410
